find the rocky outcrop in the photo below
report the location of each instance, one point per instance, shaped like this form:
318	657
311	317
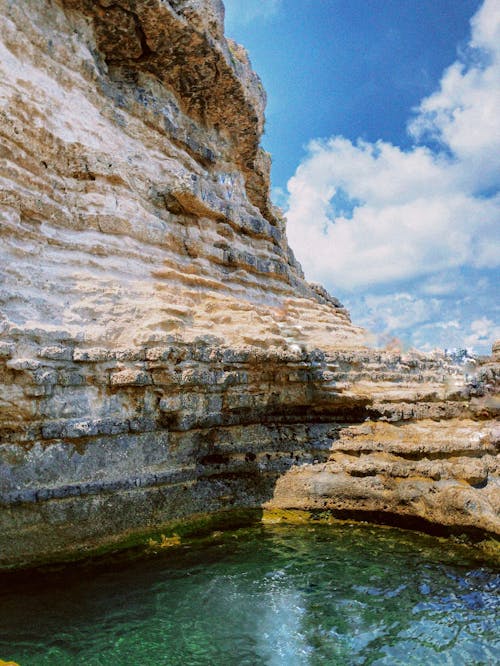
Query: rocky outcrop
161	353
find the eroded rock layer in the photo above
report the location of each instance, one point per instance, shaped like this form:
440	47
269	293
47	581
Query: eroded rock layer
161	354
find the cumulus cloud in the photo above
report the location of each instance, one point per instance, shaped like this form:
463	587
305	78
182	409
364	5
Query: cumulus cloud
424	323
391	312
463	114
482	333
477	336
453	309
363	214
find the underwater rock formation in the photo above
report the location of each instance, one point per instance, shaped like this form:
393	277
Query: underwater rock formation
161	354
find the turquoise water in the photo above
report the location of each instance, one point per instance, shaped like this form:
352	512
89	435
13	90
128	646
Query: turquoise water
273	595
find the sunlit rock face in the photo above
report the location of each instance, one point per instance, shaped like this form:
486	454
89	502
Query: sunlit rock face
161	353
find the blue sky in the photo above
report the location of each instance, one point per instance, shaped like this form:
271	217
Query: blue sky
384	126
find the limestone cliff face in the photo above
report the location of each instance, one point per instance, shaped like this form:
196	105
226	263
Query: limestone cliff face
161	354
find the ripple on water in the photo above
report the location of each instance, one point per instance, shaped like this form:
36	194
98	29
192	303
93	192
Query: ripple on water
289	595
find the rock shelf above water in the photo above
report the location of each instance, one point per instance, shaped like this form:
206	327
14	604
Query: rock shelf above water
161	352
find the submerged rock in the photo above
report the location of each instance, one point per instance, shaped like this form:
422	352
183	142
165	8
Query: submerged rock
162	355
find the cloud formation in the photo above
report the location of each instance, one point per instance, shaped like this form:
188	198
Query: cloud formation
363	214
427	322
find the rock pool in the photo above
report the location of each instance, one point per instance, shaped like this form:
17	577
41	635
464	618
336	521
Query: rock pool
267	594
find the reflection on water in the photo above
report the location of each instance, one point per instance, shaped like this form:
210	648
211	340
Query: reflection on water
297	595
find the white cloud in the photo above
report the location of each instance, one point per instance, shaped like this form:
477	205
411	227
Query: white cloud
440	284
482	333
446	334
460	315
478	335
415	212
401	315
463	114
279	197
243	12
399	311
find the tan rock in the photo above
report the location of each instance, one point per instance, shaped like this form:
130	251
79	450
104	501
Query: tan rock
161	353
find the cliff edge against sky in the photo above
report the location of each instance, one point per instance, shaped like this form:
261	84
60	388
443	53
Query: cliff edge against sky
161	353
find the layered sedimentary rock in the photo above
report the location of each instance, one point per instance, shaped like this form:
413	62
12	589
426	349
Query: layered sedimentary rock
161	353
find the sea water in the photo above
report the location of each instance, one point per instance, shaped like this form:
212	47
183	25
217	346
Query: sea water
290	595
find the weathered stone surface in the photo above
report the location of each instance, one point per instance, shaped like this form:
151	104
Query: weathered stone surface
161	354
446	475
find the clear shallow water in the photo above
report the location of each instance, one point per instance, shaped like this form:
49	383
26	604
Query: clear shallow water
274	595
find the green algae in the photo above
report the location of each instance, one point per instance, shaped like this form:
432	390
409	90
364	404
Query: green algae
137	543
486	549
198	528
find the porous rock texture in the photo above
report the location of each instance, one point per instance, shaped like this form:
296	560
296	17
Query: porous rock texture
161	353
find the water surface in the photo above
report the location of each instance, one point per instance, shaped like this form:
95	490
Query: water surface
291	595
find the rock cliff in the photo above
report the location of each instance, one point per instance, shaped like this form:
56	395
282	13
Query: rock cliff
161	354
